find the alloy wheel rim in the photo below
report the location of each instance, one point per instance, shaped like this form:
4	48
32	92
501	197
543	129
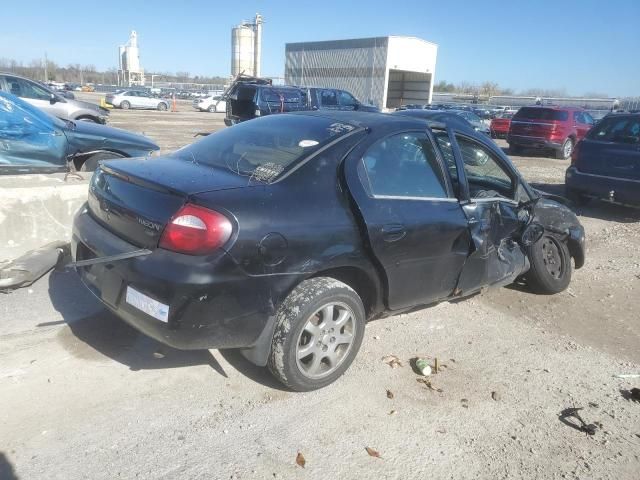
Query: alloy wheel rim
552	258
568	146
325	340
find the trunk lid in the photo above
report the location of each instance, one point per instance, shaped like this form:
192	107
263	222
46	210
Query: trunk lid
136	198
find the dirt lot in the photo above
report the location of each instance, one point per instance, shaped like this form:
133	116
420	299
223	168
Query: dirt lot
84	396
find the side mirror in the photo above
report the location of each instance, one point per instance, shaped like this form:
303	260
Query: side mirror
531	234
53	99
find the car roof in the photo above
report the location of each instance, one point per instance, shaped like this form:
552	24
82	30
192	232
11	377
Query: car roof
554	107
376	120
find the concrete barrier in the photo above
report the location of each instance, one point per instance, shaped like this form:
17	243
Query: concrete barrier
38	209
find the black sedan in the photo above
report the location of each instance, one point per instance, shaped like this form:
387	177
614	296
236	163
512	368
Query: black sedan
606	163
284	235
32	141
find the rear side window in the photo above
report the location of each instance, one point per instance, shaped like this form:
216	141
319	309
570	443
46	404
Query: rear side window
617	129
538	113
286	96
404	165
328	98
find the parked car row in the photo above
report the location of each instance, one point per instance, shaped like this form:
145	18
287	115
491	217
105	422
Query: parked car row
483	111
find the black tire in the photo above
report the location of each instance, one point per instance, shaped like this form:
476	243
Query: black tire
91	163
291	339
162	107
566	150
124	105
211	109
515	149
88	119
551	266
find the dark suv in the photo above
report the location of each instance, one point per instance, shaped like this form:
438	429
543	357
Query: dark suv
550	128
247	100
606	163
250	100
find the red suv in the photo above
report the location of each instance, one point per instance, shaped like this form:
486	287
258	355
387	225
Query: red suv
555	128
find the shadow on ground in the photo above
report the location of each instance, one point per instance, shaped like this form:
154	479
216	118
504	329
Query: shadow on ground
6	469
107	335
95	332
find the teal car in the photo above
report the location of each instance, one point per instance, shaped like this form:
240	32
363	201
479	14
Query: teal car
32	141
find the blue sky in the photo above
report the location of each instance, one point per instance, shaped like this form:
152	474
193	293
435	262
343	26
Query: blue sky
582	46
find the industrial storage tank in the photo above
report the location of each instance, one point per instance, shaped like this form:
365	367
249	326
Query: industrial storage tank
242	50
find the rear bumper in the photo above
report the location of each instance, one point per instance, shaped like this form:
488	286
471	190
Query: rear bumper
626	191
533	142
212	302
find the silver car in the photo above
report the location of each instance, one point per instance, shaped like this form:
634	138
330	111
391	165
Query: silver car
127	99
53	103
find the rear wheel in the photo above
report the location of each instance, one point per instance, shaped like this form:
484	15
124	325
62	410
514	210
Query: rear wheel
566	150
125	105
319	329
211	109
550	270
92	162
162	107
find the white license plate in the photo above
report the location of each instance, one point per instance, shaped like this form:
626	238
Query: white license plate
147	304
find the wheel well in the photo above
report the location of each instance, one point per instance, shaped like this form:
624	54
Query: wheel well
361	282
78	160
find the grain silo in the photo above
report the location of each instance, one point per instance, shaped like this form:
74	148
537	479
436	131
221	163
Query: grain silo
130	72
246	48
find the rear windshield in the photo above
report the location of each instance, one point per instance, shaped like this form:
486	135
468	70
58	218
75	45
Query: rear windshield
286	96
535	113
265	148
617	129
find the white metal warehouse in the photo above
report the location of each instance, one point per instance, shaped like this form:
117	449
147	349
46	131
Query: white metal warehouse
382	71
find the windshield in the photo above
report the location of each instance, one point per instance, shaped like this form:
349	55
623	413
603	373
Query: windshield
537	113
265	148
623	129
10	103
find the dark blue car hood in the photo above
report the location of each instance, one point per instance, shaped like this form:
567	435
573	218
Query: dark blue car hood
86	136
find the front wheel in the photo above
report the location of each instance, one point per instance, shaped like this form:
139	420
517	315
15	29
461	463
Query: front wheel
125	105
551	267
319	329
162	107
211	109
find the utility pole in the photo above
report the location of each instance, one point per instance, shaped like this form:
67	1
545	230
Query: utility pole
46	73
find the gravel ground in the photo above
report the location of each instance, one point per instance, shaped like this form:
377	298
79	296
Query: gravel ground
84	396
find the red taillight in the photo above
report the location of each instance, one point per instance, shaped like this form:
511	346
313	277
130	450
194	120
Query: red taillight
196	231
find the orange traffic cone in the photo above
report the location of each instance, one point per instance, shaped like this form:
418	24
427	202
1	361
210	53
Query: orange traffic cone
173	104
